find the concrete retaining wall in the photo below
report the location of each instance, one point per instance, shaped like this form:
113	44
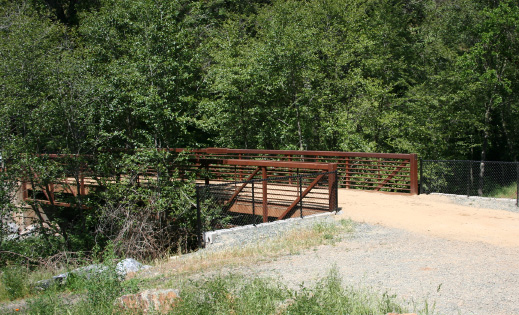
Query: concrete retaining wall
250	233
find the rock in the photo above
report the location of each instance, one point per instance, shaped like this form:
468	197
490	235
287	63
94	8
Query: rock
12	228
87	272
129	265
161	301
29	230
44	284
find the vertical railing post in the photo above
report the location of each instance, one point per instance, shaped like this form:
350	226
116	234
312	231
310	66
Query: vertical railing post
290	171
25	191
264	190
300	178
253	205
82	190
198	218
414	174
332	170
347	171
206	166
241	167
336	190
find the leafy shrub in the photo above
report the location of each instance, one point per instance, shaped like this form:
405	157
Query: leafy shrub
146	216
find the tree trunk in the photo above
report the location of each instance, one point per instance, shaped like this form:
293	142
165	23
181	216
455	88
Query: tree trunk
484	149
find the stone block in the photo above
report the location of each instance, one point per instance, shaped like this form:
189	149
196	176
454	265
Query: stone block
156	300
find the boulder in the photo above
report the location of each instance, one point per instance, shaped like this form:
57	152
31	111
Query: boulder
129	265
125	266
156	301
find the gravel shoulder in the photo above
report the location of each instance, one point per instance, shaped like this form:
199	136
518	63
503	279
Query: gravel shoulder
425	249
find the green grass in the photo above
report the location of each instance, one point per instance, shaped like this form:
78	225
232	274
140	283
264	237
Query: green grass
81	294
13	281
509	191
233	294
220	294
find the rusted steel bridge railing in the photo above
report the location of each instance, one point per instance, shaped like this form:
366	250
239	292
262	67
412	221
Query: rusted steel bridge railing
254	201
397	173
367	171
280	187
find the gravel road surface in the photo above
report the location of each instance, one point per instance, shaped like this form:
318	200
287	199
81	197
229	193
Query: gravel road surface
453	277
459	259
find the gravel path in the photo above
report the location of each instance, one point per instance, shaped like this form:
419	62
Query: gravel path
485	202
453	277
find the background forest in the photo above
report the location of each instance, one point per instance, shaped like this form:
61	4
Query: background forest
437	78
433	77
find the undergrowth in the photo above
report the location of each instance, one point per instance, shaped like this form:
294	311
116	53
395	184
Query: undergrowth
509	191
95	293
233	294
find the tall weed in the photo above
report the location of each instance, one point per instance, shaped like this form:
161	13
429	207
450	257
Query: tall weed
14	283
234	294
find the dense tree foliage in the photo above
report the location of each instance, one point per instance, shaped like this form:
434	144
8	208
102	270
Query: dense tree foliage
433	77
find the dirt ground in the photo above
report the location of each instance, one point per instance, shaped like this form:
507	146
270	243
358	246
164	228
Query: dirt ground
433	215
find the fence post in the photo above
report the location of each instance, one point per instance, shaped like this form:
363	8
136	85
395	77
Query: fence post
469	173
471	180
414	174
198	218
265	201
420	192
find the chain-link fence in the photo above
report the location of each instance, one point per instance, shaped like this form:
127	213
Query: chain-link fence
226	205
470	178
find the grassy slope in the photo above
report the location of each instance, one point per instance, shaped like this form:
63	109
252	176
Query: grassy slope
217	294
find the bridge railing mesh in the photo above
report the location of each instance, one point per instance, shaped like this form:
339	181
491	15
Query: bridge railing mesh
227	205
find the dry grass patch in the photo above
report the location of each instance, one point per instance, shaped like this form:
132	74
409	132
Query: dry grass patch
290	242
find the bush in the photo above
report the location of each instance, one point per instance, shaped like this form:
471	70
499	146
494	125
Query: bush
146	216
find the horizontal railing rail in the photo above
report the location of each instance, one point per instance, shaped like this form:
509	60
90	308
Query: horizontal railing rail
396	173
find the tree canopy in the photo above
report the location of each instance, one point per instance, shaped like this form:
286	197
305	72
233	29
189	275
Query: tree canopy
437	78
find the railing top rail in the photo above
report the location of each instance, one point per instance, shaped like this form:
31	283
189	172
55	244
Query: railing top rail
472	161
297	152
276	152
269	179
284	164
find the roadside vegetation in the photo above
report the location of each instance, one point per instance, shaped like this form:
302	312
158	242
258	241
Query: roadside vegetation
203	289
509	191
